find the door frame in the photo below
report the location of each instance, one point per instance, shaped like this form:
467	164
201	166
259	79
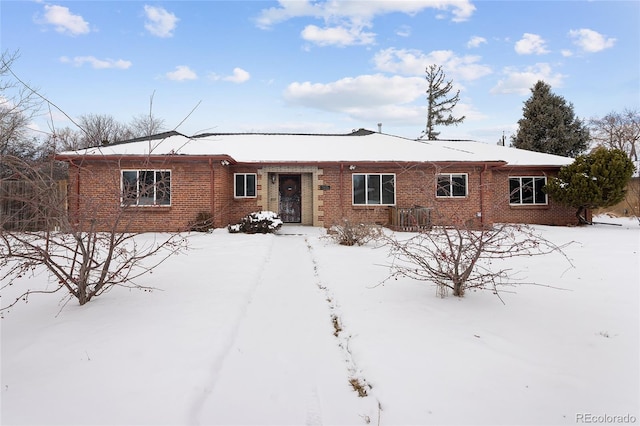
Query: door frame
282	178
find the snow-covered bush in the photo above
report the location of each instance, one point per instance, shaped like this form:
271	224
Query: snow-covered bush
262	222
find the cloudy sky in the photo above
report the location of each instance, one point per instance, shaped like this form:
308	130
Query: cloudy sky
323	66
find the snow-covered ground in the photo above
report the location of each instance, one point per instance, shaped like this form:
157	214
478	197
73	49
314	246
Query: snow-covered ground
240	331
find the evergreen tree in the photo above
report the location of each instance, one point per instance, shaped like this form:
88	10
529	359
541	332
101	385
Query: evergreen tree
549	125
438	104
592	181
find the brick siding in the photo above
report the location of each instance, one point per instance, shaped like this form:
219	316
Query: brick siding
94	193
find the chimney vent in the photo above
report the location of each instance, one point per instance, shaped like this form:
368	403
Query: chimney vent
379	127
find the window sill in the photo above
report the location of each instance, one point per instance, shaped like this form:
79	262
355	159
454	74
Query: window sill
529	206
371	206
151	208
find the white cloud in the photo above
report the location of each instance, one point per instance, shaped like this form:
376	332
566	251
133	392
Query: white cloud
96	63
339	36
531	44
64	21
160	22
591	41
415	62
521	81
345	20
349	93
182	73
239	76
476	41
371	98
403	31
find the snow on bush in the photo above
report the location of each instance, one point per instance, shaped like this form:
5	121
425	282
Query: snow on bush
262	222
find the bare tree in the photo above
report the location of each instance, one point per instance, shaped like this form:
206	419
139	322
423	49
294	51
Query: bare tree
457	258
618	131
102	129
146	125
67	139
85	255
439	104
18	106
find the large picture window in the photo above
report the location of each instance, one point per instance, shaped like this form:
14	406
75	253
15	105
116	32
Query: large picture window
527	190
146	187
374	189
452	185
244	185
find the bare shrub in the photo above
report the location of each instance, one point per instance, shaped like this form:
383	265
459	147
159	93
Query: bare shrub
86	255
458	258
348	233
202	223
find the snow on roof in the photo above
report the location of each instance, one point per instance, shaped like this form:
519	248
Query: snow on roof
361	146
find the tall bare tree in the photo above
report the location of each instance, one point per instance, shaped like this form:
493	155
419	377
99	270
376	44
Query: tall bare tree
439	103
102	129
618	131
18	106
146	125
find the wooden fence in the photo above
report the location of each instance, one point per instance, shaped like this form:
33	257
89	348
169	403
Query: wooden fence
27	206
411	219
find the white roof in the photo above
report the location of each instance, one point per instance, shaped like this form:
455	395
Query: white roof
364	146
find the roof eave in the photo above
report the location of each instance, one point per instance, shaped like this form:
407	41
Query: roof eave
138	158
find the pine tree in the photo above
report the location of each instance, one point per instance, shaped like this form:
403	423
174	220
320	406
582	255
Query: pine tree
549	125
438	104
592	181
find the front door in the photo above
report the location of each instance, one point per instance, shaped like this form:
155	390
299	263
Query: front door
290	198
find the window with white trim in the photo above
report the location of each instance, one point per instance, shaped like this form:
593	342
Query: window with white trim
376	188
451	185
244	185
146	187
525	190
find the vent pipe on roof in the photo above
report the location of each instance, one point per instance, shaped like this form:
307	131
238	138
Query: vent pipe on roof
379	127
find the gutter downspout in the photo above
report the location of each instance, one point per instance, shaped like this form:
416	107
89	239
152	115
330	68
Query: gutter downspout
211	189
482	190
341	189
77	207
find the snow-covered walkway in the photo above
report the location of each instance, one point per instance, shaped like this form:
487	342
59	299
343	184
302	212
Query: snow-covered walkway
284	357
239	331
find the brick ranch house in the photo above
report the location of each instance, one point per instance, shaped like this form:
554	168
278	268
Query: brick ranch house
162	183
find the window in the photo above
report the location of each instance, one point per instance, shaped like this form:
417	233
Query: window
146	187
452	185
527	190
374	189
244	185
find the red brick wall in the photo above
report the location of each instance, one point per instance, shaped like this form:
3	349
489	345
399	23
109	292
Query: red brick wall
191	193
94	193
550	214
236	208
415	186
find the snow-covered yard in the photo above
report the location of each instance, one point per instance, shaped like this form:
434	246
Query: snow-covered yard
240	331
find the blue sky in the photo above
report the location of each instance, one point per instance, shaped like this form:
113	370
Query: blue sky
323	66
